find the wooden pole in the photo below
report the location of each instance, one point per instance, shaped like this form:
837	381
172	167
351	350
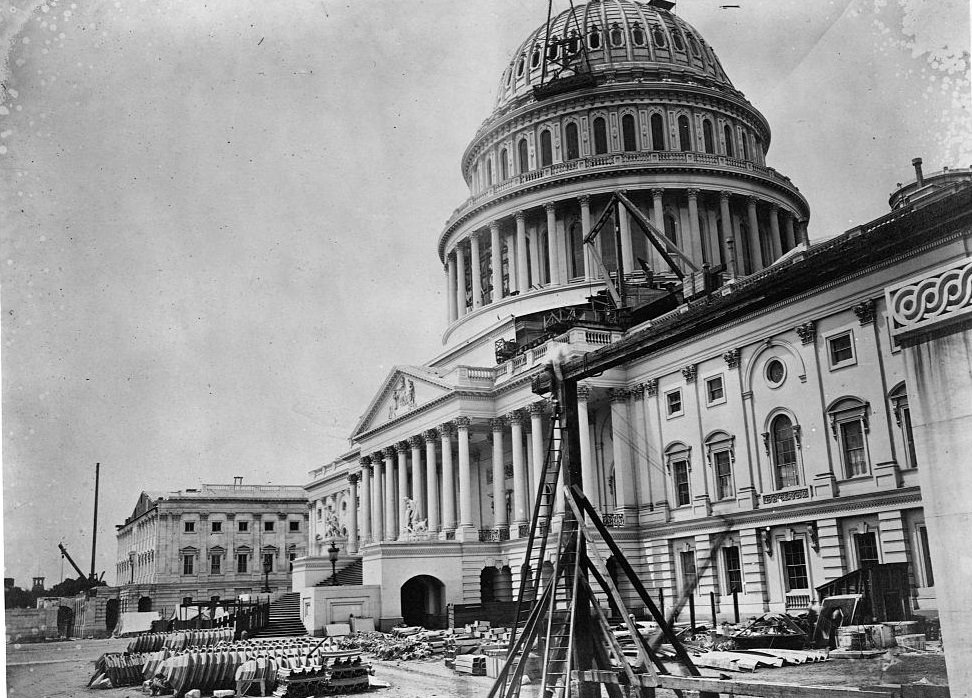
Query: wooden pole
94	526
712	606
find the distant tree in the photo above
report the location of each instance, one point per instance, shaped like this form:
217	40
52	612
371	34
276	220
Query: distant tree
15	597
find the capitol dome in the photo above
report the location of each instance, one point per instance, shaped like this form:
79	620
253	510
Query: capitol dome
642	38
619	96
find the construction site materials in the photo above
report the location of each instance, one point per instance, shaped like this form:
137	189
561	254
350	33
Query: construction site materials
183	639
474	664
771	630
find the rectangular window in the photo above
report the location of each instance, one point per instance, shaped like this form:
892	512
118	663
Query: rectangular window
733	565
217	526
715	391
841	349
794	565
268	561
215	564
295	525
242	526
242	560
187	564
687	560
867	550
680	472
673	400
268	526
926	566
190	526
723	472
852	442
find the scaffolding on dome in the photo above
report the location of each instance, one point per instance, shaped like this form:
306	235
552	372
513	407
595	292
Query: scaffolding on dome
566	64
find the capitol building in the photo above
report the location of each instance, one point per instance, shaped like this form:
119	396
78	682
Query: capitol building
752	433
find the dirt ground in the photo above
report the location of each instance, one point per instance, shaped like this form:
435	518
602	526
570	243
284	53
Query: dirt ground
62	670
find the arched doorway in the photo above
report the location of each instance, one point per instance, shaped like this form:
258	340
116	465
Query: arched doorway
487	584
423	602
144	604
65	621
111	614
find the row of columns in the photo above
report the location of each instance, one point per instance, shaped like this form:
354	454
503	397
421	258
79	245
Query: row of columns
527	270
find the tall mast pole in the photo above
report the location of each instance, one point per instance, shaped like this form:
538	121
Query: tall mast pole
94	526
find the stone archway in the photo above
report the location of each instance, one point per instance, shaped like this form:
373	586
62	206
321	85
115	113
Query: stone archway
423	602
111	614
144	604
65	621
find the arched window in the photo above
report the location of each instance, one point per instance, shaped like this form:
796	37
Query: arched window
573	141
849	426
617	36
784	455
594	37
707	139
489	172
678	458
694	46
658	36
678	41
519	66
600	136
475	186
523	153
535	56
504	165
684	135
509	76
744	138
553	48
902	415
576	240
638	35
573	43
628	137
727	133
546	149
657	132
670	227
720	452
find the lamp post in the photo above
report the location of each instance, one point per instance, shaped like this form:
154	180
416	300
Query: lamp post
332	554
267	564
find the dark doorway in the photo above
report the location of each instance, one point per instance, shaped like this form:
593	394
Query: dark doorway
423	602
144	604
65	621
111	614
487	584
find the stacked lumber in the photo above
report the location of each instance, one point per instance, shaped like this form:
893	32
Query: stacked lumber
474	664
750	660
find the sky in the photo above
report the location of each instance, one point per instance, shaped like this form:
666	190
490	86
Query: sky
218	220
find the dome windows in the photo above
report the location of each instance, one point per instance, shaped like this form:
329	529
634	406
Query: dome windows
638	35
745	145
573	43
658	36
684	134
617	36
535	56
594	38
600	136
694	46
573	142
504	165
727	134
519	67
657	132
708	141
509	76
523	155
628	135
546	149
678	41
553	49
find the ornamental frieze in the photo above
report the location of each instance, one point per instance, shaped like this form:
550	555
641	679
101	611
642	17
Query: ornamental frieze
937	297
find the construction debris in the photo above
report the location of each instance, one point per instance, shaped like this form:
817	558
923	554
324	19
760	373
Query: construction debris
775	630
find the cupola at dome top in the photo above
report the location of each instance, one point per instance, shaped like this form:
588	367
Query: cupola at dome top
611	36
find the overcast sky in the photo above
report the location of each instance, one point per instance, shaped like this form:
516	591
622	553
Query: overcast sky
219	219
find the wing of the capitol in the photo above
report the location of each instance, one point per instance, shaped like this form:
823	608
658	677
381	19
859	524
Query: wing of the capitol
749	378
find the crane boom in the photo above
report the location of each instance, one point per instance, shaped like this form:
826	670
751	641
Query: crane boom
64	553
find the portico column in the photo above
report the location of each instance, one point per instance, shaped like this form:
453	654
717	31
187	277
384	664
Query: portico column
448	478
775	242
401	449
477	284
536	272
536	442
431	481
418	477
391	511
624	487
728	234
353	514
627	248
755	246
496	256
788	230
451	286
553	244
522	272
589	264
588	474
658	218
465	474
694	232
499	474
519	474
460	281
365	500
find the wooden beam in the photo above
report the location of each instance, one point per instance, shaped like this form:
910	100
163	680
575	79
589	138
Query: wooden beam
732	687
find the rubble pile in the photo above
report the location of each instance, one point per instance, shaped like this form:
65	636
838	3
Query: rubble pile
776	630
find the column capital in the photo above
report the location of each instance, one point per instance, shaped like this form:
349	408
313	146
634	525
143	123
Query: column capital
731	358
651	387
515	417
692	193
520	215
584	392
415	441
638	391
752	200
550	206
494	226
584	199
689	373
723	194
537	408
364	461
474	236
430	435
618	395
774	207
353	478
807	332
497	424
401	447
461	422
657	192
446	429
388	452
